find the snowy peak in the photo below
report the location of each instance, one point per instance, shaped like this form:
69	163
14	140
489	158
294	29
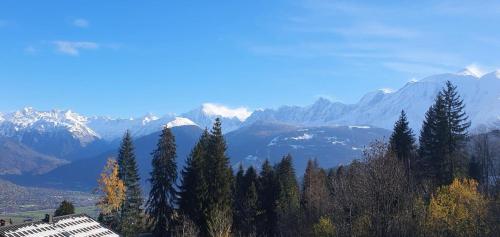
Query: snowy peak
149	118
28	120
380	108
180	121
113	128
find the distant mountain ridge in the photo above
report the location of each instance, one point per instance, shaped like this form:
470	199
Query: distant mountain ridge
381	108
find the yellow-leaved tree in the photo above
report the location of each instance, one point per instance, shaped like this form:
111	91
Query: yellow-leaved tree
112	191
457	209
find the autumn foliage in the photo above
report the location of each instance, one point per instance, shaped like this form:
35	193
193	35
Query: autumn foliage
457	210
111	188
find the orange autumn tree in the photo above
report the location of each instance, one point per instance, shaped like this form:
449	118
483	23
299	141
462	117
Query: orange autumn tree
112	190
457	209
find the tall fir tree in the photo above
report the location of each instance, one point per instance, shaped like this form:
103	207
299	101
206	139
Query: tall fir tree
160	205
402	140
250	204
131	213
402	143
267	195
239	197
219	175
443	136
193	190
245	202
288	198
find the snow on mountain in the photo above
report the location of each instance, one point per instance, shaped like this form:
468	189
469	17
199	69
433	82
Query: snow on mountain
380	108
481	94
319	113
180	121
29	120
113	128
231	118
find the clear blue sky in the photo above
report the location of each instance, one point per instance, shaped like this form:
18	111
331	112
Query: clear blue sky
127	58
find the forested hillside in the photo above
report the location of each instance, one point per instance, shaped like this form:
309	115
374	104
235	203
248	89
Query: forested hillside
440	182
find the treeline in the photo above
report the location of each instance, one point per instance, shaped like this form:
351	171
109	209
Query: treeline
436	188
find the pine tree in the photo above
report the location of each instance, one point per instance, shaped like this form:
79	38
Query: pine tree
245	203
160	205
193	190
402	143
287	209
130	219
65	208
266	189
443	136
239	198
218	172
458	121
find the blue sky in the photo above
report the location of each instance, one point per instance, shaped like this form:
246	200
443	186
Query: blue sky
127	58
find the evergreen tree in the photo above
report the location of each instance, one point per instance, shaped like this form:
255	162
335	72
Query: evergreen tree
266	188
130	219
245	203
239	198
219	175
402	143
288	196
443	136
193	191
65	208
162	195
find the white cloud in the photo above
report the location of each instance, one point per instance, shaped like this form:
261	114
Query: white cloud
73	47
475	70
241	113
80	22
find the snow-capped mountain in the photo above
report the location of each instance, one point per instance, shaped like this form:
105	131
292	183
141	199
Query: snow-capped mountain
206	114
381	108
28	121
180	121
113	128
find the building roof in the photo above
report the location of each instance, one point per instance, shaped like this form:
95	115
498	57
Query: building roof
78	225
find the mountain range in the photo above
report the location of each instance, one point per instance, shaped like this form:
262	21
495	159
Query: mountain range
380	108
52	143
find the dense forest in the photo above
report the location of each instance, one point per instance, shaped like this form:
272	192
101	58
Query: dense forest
443	183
